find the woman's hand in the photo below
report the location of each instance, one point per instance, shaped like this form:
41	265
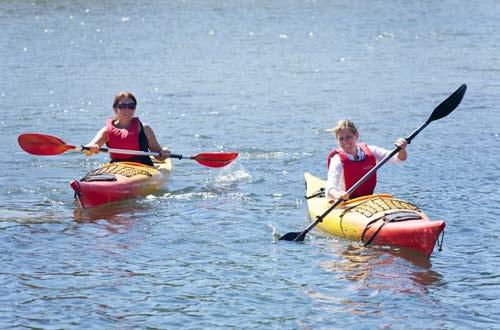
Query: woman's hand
164	154
93	149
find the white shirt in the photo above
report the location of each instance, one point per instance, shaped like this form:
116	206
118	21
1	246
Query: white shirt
335	181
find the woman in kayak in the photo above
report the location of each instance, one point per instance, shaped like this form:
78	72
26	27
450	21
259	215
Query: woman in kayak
125	131
352	161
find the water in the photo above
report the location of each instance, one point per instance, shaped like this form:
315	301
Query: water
266	79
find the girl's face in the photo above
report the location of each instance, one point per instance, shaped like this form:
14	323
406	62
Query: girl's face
125	109
347	139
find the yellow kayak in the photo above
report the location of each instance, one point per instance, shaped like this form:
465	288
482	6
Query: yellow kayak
379	219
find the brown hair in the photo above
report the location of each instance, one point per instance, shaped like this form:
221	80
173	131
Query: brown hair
122	95
344	123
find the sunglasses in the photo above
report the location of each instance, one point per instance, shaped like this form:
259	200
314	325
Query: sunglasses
122	106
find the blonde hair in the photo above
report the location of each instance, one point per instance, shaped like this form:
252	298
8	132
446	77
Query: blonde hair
344	123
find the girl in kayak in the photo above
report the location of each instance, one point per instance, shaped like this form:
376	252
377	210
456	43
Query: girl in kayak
125	131
352	161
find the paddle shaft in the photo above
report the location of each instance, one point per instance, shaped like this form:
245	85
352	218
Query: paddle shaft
130	152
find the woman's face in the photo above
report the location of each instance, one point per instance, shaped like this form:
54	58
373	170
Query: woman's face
347	139
125	108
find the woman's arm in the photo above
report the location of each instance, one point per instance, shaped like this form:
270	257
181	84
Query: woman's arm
97	142
153	143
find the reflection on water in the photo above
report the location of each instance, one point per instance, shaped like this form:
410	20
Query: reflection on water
371	282
115	213
392	269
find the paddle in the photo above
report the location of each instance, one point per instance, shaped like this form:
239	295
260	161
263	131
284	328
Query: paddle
47	145
442	110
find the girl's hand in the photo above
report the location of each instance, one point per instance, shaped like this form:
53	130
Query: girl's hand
401	143
340	195
94	149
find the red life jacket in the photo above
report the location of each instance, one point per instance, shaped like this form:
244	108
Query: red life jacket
355	170
123	138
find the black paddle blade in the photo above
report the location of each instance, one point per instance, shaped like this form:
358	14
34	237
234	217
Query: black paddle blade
448	105
294	236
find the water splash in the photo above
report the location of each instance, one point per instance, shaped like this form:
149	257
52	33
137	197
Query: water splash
239	175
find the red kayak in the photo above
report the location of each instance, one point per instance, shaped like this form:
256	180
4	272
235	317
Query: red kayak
114	182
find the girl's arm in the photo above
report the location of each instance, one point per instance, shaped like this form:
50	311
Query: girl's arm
401	143
380	153
335	173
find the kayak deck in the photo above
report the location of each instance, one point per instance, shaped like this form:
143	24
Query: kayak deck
117	181
377	219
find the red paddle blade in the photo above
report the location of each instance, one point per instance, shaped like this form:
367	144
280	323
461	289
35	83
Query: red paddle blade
42	144
215	159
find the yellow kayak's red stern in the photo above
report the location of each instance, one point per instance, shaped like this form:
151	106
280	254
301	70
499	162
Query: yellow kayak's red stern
375	220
